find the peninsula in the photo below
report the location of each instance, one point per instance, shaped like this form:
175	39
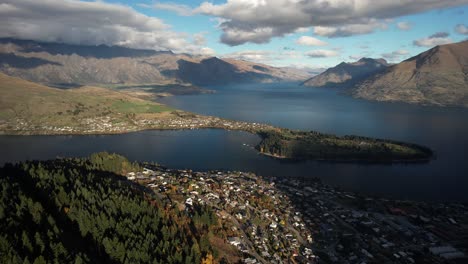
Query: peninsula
32	109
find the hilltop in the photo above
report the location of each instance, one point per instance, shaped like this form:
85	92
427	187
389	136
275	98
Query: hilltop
438	76
346	74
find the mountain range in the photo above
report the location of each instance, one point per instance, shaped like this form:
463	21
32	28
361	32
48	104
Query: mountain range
438	76
58	64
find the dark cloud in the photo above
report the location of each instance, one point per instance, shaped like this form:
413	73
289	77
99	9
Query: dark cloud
439	35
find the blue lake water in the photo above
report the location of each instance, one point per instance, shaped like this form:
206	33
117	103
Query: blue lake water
445	130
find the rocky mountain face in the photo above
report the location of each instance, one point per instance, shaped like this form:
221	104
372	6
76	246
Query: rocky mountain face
347	74
438	76
73	65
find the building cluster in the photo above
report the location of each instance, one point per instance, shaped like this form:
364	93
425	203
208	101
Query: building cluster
276	220
259	221
90	125
199	121
349	228
107	124
103	124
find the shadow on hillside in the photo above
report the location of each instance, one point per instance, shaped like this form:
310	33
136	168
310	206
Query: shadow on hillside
21	62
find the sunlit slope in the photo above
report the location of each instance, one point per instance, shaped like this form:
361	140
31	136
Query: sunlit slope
24	102
438	76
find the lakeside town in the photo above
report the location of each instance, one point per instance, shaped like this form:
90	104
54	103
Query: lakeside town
259	219
113	125
287	220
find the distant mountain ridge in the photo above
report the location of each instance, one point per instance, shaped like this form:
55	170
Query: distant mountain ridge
99	51
438	76
65	64
347	74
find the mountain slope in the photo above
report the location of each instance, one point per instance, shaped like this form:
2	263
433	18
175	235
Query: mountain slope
345	74
73	65
438	76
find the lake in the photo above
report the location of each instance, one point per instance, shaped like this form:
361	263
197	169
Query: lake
445	130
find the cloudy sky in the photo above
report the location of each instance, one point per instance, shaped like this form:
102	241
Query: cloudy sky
310	33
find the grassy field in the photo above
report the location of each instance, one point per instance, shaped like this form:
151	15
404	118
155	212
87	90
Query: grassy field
123	106
35	104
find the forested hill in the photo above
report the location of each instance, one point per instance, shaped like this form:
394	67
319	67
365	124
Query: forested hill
83	211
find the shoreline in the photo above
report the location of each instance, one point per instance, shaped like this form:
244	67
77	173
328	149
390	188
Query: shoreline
355	161
195	122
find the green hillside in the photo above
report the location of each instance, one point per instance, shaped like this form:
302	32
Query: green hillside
29	106
83	211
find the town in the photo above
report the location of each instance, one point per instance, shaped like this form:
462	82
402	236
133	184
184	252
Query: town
260	220
113	125
281	220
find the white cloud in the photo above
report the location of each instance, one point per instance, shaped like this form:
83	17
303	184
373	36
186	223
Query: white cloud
277	58
355	57
310	41
199	39
322	53
431	42
251	55
404	26
302	30
205	51
91	23
461	29
395	55
181	10
439	38
258	21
